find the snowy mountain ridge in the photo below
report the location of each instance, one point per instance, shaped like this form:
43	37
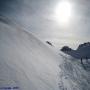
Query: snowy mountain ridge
26	62
83	51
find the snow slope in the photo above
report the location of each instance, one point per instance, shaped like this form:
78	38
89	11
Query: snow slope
27	63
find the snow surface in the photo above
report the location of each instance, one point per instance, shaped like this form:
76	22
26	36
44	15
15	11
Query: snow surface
27	63
74	76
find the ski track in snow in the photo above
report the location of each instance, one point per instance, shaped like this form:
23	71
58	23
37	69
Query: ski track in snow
73	75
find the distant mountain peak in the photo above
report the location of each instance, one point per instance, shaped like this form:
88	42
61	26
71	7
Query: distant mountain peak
82	51
84	45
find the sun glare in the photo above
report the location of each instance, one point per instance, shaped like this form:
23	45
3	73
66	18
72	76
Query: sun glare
63	12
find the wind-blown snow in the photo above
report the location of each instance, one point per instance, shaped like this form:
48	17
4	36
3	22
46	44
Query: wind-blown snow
27	63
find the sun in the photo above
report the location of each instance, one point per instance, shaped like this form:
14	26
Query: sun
63	12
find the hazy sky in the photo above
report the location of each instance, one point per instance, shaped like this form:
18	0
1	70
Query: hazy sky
63	22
